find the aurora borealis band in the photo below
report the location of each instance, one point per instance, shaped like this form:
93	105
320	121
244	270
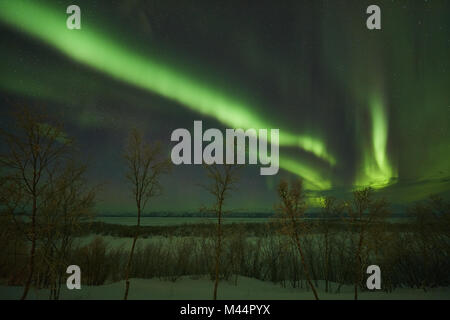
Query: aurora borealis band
354	107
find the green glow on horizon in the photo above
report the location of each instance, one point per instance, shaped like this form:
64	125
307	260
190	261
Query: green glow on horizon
99	51
315	201
377	169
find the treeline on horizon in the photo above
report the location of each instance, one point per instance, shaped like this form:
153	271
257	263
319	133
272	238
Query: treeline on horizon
313	215
249	229
171	214
198	214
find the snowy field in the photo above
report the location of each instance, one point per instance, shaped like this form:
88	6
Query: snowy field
187	288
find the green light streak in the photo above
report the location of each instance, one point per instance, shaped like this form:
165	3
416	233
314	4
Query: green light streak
308	143
92	48
313	180
377	170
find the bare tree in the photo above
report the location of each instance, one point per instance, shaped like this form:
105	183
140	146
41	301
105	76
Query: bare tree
33	150
12	242
291	210
65	205
331	210
223	180
366	218
430	237
145	165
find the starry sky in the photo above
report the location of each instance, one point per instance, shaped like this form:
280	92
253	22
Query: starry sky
355	107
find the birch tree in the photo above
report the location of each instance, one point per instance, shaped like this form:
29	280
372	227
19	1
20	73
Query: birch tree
33	150
291	210
223	180
67	203
366	217
331	210
145	166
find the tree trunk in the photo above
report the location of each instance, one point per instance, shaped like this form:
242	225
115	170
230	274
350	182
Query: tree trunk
32	251
358	265
308	278
326	261
218	252
130	258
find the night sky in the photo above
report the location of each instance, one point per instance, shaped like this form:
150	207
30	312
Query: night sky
355	107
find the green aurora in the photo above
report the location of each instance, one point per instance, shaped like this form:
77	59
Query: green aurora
104	54
395	150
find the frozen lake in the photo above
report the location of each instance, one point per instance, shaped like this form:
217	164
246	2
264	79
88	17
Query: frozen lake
171	221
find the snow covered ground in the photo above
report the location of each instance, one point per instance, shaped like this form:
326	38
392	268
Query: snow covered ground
189	288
